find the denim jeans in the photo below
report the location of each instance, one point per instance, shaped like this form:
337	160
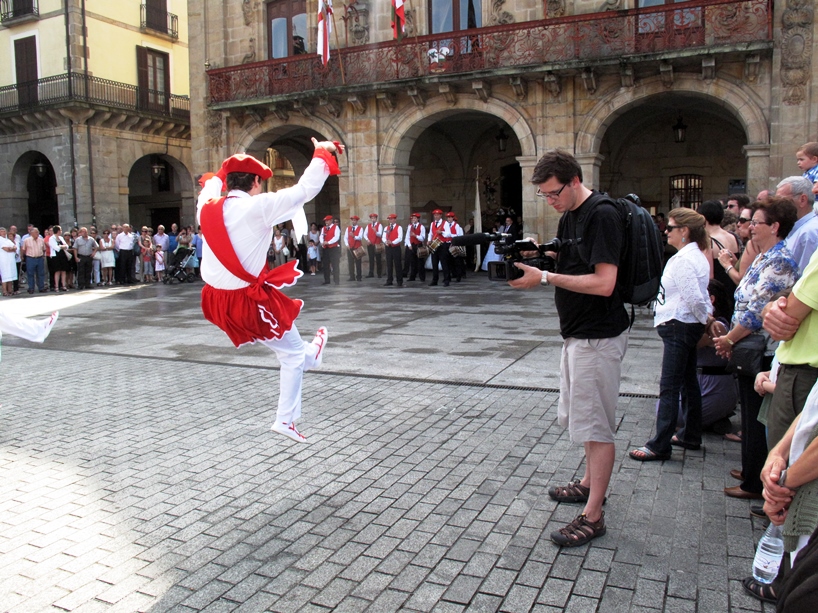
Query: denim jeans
35	267
678	379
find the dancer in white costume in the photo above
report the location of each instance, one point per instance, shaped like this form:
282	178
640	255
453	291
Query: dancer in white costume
34	330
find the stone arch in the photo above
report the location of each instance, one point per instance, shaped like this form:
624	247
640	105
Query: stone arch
251	140
405	129
43	210
179	166
743	104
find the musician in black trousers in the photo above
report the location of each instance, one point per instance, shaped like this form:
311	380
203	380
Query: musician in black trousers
415	237
440	255
393	239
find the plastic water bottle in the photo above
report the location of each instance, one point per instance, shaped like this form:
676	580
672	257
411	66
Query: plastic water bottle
768	555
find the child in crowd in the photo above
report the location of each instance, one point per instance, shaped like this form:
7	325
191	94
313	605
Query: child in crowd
312	257
159	262
147	260
807	159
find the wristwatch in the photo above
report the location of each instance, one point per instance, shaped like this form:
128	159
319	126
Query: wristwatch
782	479
544	279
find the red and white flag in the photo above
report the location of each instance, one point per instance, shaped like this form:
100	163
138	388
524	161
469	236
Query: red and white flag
398	20
324	29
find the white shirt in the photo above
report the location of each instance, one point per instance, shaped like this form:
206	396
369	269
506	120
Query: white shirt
451	229
386	231
420	232
250	221
357	234
124	241
684	284
56	244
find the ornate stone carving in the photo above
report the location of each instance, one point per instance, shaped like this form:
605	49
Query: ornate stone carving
554	8
498	15
214	129
247	10
250	56
611	5
796	49
357	22
410	21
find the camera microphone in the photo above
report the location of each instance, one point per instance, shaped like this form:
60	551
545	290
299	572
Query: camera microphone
482	238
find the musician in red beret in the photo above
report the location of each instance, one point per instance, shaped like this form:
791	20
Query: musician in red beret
457	263
439	248
331	244
353	239
375	247
393	239
240	295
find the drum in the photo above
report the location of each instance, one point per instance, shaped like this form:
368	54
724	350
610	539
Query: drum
435	244
359	252
423	252
457	251
380	247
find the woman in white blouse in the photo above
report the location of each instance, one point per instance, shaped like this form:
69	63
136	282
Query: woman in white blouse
681	315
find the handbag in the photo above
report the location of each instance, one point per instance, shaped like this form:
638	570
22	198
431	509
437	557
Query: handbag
747	357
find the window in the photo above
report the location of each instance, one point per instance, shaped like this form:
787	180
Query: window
658	22
686	190
453	15
156	15
287	28
25	64
154	79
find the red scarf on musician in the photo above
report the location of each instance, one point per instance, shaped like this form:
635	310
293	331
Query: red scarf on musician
258	312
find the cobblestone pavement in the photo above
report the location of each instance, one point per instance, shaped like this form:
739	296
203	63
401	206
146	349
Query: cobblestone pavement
138	472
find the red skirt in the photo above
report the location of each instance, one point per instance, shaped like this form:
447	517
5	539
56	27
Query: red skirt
247	319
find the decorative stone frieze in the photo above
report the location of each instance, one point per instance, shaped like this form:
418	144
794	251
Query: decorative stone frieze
498	15
554	8
248	11
796	49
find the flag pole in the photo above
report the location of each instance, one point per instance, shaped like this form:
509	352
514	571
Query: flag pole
337	44
477	228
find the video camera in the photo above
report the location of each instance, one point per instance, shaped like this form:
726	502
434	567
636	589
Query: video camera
523	251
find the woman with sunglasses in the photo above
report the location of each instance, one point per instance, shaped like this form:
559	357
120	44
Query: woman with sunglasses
773	270
680	318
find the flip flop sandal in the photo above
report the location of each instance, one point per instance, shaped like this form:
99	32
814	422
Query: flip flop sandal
675	441
579	532
647	455
762	591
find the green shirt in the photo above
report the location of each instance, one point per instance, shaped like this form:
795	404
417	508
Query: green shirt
803	347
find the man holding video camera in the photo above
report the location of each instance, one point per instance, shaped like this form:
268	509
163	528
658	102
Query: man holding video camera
594	326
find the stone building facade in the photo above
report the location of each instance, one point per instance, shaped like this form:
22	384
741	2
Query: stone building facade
94	113
448	110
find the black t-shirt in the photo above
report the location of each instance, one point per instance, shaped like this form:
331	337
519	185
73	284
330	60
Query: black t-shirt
585	315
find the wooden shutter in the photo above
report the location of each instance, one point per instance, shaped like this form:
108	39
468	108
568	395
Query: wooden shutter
142	76
25	59
157	15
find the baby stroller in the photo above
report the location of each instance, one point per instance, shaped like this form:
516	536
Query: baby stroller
176	270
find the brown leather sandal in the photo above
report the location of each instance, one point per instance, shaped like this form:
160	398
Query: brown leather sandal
573	492
579	531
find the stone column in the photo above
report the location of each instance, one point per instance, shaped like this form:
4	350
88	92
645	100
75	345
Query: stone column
534	213
758	169
395	190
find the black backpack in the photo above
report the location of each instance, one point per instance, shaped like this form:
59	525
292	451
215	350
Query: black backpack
642	259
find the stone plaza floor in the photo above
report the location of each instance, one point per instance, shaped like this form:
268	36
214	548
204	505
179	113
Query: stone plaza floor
138	471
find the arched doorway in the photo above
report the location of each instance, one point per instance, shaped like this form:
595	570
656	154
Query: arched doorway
155	186
35	179
459	152
641	153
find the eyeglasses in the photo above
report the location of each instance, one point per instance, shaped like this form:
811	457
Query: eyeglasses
756	222
743	220
551	195
670	228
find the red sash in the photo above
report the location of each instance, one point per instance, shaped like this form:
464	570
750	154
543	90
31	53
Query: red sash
258	312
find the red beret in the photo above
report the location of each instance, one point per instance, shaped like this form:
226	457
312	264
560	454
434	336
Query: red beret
437	212
450	214
328	218
355	217
373	215
415	215
392	216
246	163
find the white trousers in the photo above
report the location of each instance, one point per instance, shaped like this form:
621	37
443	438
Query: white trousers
34	330
296	357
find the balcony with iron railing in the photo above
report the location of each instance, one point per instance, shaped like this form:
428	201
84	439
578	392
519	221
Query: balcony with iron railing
17	11
159	21
633	35
77	88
